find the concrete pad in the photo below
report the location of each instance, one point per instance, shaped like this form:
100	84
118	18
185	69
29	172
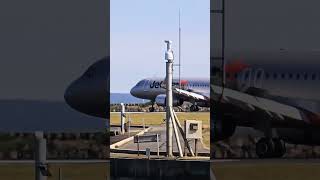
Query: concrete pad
131	147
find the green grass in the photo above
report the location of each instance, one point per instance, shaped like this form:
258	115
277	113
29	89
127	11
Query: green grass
266	171
10	143
157	119
97	171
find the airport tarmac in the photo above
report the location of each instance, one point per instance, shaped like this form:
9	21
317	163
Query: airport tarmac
131	147
133	131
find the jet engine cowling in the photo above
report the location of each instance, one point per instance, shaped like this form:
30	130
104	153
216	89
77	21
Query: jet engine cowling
222	129
161	100
306	136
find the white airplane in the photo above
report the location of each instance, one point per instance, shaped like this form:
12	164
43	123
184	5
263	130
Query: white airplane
89	93
276	93
193	90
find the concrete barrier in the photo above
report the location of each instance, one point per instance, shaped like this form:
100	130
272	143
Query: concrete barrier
120	143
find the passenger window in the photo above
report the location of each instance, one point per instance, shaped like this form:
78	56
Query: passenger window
290	76
259	75
305	76
313	76
267	76
246	75
236	75
275	75
298	76
282	75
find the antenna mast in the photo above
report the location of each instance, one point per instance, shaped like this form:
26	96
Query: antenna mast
179	52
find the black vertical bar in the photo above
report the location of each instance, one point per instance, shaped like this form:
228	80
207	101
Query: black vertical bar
138	145
223	43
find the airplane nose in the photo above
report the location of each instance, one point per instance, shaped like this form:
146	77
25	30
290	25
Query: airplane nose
132	91
70	97
67	96
84	98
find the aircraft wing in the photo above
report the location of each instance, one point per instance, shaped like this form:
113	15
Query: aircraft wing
190	95
251	104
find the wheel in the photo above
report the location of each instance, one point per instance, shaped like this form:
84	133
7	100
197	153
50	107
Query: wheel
151	109
265	148
194	108
262	148
279	147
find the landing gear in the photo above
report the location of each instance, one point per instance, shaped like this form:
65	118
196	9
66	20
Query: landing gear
280	147
151	109
194	108
270	148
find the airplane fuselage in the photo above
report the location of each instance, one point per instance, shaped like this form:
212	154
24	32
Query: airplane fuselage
291	84
289	80
152	87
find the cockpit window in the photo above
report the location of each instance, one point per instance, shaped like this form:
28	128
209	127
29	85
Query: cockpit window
140	83
89	73
96	69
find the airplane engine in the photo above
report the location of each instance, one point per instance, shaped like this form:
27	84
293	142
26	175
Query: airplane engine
161	100
308	136
203	104
221	129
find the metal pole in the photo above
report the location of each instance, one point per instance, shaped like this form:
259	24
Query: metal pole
184	148
60	174
169	58
158	147
138	145
122	118
40	155
129	124
183	134
176	133
179	52
195	147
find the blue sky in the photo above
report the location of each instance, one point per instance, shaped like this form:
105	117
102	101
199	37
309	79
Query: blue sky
138	29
